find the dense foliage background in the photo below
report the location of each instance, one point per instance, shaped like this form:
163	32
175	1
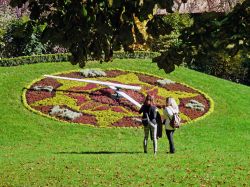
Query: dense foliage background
216	43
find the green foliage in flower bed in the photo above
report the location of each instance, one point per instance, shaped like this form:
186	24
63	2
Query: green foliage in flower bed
66	57
37	151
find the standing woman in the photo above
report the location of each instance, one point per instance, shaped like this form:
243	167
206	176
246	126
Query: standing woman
168	112
149	121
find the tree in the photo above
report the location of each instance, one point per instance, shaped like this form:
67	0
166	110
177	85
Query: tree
211	36
93	28
90	27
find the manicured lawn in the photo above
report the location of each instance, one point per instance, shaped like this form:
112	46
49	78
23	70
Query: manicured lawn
38	151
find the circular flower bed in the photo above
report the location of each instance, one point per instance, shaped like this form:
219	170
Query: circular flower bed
98	105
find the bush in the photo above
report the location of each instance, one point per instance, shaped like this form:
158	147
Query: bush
34	59
177	22
23	37
135	54
2	32
220	64
63	57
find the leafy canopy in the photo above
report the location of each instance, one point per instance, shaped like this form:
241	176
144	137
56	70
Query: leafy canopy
212	37
90	27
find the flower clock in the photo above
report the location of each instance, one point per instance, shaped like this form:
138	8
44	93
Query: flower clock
98	105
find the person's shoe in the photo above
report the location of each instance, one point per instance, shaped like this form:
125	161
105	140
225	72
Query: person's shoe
171	152
145	152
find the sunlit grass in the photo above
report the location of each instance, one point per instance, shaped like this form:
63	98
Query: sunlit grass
38	151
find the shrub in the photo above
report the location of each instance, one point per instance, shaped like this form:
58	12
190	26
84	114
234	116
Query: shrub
34	59
136	54
222	65
23	37
177	22
66	57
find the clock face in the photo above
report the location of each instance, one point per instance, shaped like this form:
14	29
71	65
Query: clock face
98	105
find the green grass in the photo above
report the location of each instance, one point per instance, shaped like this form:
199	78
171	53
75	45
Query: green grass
38	151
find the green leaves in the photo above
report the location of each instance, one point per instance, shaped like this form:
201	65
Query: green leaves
90	28
157	27
216	44
169	59
84	12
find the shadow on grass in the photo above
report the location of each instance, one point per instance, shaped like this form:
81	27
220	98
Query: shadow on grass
98	152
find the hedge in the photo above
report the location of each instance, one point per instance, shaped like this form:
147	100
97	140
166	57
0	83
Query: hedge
35	59
63	57
136	54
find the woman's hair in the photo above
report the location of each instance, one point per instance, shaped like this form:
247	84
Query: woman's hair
149	98
171	102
